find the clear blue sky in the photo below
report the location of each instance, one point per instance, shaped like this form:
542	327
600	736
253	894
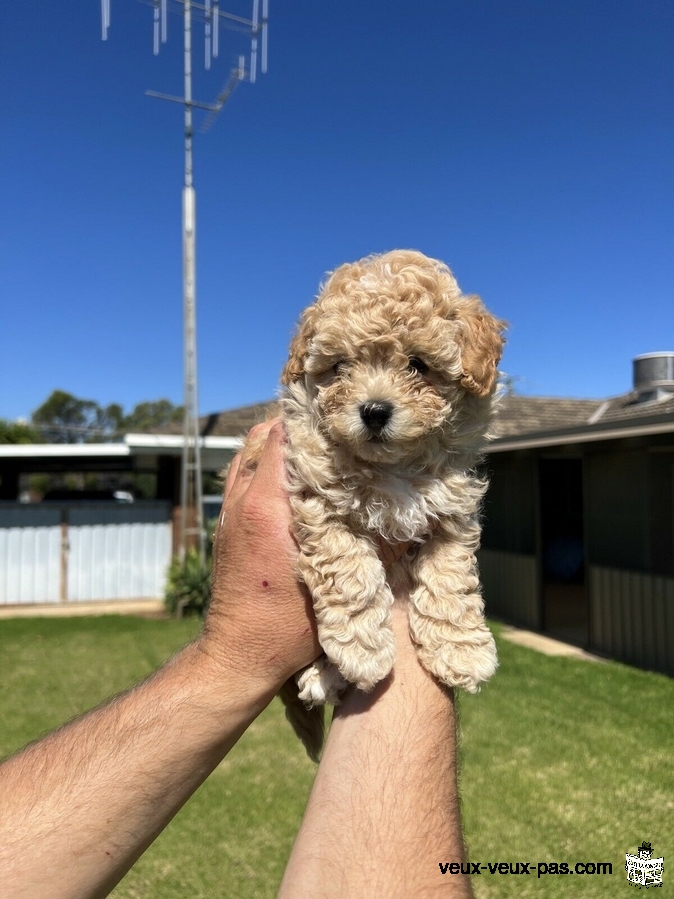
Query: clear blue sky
528	143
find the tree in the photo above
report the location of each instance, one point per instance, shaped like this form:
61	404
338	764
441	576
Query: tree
109	419
17	432
150	415
64	418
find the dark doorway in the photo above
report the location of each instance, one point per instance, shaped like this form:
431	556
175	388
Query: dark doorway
565	600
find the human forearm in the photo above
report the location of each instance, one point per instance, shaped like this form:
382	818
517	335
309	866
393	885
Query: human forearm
78	808
384	809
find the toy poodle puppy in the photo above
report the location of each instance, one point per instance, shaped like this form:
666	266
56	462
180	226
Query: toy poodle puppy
388	395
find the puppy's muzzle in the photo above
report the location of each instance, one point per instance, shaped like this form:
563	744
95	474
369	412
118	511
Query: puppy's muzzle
375	415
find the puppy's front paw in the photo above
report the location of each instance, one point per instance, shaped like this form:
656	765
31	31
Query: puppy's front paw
361	665
320	683
463	660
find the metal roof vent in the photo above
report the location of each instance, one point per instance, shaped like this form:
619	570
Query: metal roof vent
653	375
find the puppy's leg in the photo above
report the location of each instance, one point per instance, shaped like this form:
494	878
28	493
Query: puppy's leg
304	697
351	598
447	613
320	683
307	723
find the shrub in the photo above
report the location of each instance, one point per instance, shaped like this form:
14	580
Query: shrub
188	587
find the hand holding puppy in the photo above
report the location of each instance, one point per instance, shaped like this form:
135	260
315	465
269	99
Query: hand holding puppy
260	616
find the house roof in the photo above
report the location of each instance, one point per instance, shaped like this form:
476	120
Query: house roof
531	414
627	407
237	422
527	422
132	445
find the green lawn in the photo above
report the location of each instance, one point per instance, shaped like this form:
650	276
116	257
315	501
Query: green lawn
562	761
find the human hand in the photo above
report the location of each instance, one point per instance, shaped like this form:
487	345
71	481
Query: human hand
261	619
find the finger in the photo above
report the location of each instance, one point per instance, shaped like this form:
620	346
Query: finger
240	483
246	461
231	474
271	474
260	431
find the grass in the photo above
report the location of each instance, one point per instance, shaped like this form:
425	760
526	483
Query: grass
566	760
562	760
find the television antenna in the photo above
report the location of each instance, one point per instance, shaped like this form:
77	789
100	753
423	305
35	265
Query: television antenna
213	16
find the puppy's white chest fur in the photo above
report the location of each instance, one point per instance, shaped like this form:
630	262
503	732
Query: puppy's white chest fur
378	499
398	508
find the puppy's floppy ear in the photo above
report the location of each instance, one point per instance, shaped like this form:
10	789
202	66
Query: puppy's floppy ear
481	342
299	347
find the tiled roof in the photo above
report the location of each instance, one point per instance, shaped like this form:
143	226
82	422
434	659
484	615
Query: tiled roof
621	408
519	415
523	415
237	422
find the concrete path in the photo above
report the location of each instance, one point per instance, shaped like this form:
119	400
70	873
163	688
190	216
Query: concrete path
547	645
69	609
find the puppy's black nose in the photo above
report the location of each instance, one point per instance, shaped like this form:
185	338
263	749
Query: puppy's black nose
376	415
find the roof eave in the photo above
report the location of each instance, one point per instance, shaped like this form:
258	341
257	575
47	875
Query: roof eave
606	431
134	445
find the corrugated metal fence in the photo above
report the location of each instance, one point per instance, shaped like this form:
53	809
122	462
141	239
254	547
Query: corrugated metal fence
83	551
510	586
633	617
631	613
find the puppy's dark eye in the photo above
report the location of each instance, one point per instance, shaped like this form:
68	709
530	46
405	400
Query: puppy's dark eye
339	367
418	365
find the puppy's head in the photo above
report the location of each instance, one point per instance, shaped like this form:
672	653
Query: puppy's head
396	361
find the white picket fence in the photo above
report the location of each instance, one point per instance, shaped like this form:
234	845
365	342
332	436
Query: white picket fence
78	552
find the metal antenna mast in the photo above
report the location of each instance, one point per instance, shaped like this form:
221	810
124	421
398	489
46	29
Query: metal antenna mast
192	522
